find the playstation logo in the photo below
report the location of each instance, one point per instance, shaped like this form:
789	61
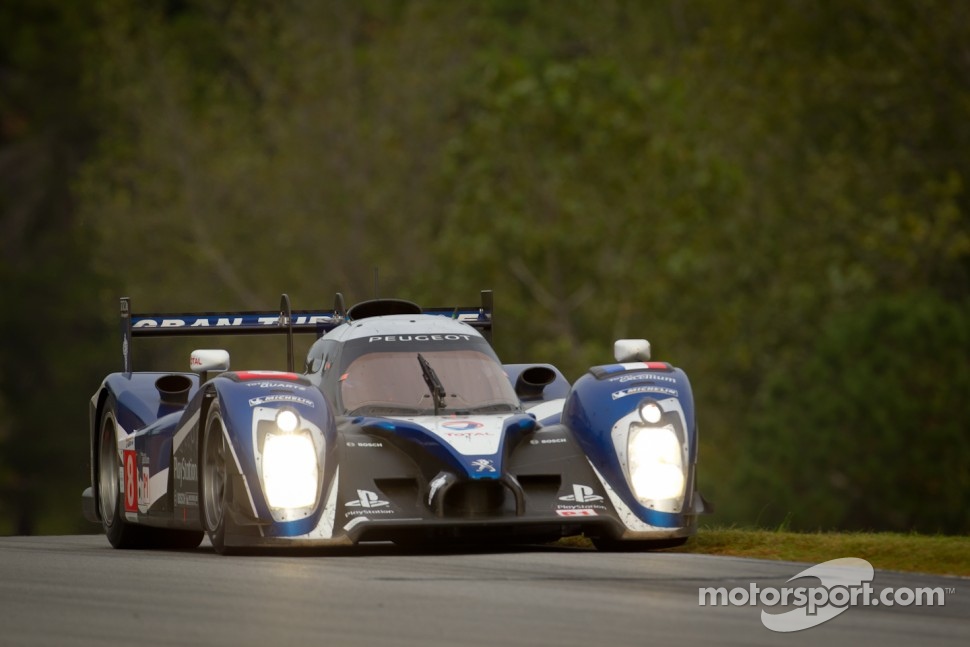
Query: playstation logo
367	499
581	494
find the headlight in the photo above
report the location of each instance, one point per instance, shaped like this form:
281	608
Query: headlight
656	463
651	412
287	420
289	471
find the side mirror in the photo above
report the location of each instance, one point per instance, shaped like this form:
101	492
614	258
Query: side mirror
631	350
202	361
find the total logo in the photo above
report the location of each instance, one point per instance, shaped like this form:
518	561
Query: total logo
581	494
462	425
367	499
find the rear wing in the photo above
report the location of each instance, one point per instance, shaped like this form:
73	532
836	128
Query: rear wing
285	321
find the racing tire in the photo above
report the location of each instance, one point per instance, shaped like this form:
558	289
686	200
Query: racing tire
215	483
609	544
111	485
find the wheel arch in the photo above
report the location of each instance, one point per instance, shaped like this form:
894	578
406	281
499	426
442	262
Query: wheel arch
98	402
243	405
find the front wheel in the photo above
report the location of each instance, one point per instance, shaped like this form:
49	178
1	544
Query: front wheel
215	483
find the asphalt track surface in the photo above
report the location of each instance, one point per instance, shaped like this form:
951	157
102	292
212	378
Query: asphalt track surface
79	591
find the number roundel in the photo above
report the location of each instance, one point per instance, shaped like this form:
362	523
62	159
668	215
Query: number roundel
131	488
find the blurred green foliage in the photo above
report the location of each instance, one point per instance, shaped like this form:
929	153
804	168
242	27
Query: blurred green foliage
773	193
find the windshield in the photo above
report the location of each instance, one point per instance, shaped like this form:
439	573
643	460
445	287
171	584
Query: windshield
392	383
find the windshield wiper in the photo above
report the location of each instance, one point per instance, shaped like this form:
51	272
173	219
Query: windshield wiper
434	384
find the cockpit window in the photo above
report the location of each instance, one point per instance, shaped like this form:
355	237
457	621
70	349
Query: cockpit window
392	383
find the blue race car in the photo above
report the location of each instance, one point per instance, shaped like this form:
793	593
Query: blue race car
404	426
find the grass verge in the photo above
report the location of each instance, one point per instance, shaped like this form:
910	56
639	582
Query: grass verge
937	554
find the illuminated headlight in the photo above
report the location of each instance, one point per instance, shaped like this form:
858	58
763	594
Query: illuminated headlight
656	463
650	412
287	420
289	471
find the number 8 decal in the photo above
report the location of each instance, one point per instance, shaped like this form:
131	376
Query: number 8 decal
131	485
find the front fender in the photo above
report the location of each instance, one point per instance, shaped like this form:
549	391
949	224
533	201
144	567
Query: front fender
248	404
599	410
